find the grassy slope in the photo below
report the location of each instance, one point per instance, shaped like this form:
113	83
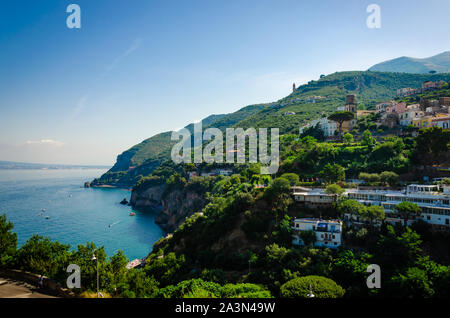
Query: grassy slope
370	88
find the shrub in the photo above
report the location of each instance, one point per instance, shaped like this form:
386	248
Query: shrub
321	287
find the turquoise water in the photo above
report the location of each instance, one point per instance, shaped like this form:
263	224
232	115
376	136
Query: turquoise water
77	215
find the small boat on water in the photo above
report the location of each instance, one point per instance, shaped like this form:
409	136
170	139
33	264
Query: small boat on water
43	210
47	217
132	214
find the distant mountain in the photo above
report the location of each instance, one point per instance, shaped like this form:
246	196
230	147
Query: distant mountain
11	165
287	114
439	63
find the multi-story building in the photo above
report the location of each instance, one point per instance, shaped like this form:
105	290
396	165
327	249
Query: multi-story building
428	85
442	122
435	205
390	120
422	122
412	112
328	232
407	91
444	101
381	107
396	108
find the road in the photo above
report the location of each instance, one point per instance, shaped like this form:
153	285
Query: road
10	288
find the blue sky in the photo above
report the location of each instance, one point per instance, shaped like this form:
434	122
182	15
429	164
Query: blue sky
137	68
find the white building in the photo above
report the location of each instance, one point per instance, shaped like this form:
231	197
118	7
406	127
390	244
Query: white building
406	118
328	233
328	127
313	198
435	205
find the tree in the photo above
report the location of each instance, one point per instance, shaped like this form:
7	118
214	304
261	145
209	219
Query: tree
431	143
280	186
374	213
8	242
314	131
308	237
291	177
389	177
42	256
340	117
367	139
334	189
348	138
350	272
333	173
407	210
397	252
321	287
369	177
351	207
414	283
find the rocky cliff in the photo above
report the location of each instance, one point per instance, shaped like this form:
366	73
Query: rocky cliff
173	206
148	198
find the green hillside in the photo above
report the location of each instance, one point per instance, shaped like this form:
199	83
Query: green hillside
439	63
370	88
149	154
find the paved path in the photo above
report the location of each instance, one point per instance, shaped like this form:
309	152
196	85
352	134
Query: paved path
10	288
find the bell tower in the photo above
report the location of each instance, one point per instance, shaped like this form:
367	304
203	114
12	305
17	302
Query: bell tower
350	104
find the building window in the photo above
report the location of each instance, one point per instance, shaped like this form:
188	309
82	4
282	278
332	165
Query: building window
335	243
446	221
334	236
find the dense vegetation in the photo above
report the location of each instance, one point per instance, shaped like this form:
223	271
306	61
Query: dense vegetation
370	88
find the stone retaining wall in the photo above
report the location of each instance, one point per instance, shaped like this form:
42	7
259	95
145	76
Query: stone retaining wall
48	284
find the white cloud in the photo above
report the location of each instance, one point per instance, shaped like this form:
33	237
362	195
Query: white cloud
134	46
80	105
45	142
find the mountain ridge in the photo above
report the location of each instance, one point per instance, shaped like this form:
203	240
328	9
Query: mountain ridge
440	63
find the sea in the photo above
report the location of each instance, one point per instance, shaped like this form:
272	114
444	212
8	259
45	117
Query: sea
54	203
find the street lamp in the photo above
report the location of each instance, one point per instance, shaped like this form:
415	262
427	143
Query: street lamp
310	295
96	259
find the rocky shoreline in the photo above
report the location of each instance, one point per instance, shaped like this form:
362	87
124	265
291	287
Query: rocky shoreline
172	207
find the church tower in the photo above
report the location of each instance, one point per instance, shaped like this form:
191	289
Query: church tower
350	104
293	87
